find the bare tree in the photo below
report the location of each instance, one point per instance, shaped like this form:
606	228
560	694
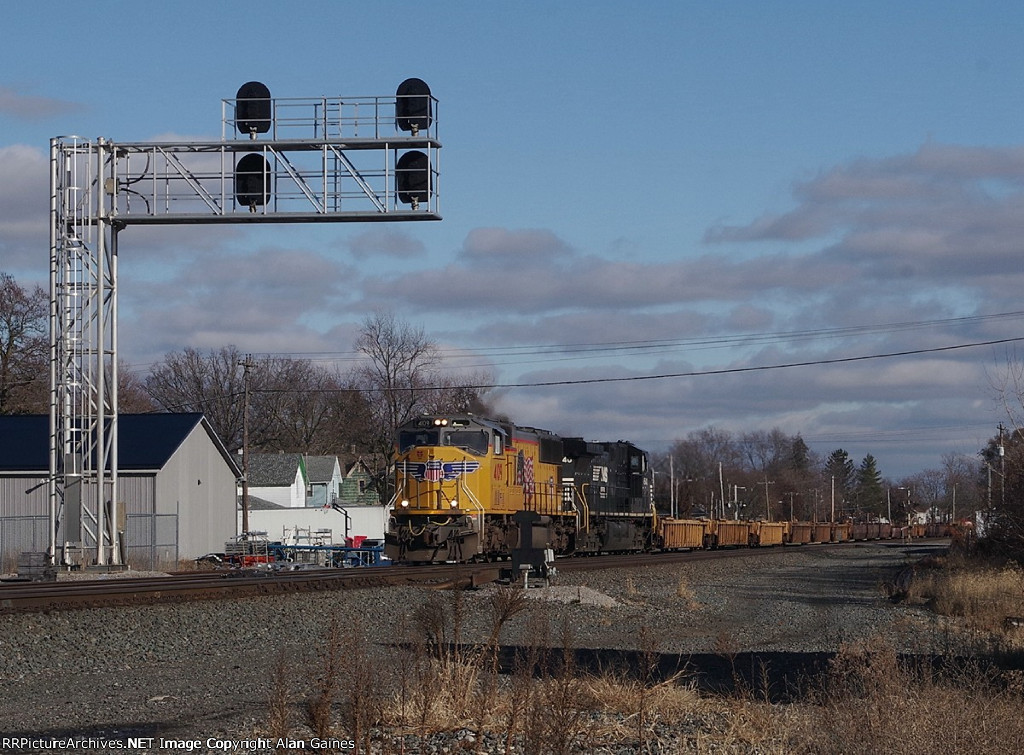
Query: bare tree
1001	473
925	489
460	393
24	348
696	465
961	473
397	375
295	405
402	377
211	383
132	396
309	408
764	450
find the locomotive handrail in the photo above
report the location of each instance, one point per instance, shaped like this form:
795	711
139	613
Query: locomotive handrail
480	516
586	507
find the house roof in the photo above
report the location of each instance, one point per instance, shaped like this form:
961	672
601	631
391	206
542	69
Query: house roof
358	467
259	504
321	468
274	470
144	441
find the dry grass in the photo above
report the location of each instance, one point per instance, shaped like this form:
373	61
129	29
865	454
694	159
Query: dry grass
870	700
319	706
988	598
279	708
633	709
873	702
686	594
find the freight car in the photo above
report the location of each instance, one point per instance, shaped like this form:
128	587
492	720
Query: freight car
687	534
460	479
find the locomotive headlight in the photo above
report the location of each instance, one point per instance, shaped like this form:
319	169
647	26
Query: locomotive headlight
405	504
440	422
454	504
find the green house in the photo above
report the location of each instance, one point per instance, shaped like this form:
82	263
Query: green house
358	487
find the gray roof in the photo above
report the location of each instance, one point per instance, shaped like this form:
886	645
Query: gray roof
320	468
273	470
260	504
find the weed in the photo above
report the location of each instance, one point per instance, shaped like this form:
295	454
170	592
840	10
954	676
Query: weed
319	706
686	594
279	710
988	598
359	689
871	699
554	718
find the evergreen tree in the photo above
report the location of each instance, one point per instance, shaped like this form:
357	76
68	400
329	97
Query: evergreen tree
870	497
799	456
839	468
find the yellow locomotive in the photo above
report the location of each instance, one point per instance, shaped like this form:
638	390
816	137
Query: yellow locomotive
460	480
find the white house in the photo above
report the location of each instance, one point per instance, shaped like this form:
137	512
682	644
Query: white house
295	493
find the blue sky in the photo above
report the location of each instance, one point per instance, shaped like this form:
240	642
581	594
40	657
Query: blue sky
693	175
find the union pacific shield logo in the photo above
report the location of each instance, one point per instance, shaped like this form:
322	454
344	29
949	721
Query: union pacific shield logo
435	470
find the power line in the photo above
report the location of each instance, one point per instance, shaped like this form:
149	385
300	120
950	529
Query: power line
578	351
760	368
671	375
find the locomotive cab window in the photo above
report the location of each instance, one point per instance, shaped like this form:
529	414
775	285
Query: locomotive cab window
475	441
411	438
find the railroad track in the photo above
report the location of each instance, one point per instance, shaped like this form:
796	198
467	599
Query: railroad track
181	587
213	585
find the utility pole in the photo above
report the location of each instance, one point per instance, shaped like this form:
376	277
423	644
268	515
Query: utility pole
247	364
671	487
721	488
767	500
1002	469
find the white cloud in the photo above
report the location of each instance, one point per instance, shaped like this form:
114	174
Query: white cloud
24	208
385	242
32	107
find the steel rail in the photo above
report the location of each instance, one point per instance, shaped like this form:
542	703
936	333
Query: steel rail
92	593
223	584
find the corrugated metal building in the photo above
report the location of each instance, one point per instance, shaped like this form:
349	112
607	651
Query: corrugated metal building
176	482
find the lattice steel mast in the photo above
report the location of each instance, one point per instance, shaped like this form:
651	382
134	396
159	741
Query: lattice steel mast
328	159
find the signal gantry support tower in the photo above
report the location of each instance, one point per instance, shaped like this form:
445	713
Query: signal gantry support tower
327	159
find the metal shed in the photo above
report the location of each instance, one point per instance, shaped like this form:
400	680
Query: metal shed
176	483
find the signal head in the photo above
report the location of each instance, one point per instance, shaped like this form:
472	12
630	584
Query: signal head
252	181
412	178
252	109
413	106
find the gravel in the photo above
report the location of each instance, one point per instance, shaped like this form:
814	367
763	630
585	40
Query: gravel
204	670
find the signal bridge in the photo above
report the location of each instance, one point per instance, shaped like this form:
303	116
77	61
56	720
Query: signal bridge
326	159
